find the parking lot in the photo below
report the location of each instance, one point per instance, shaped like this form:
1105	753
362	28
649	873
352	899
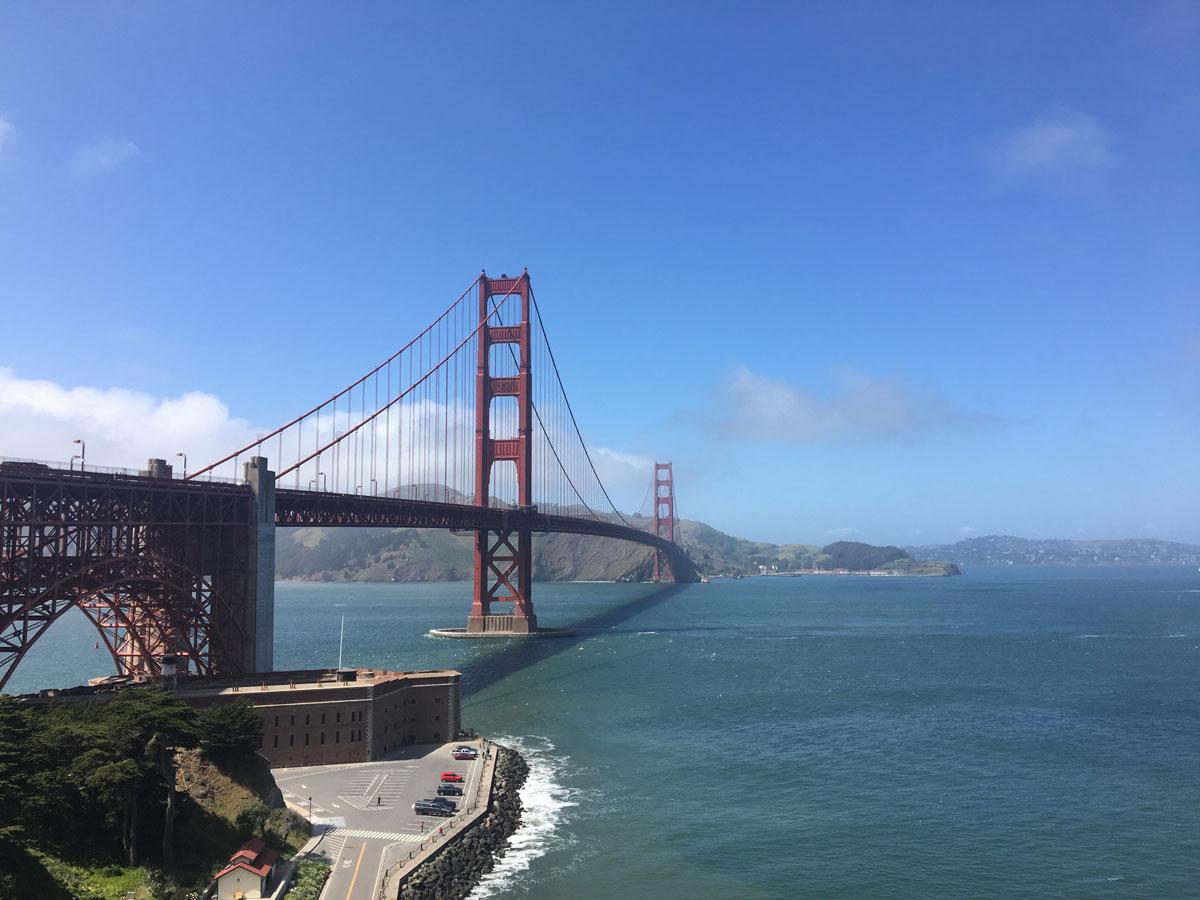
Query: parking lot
364	811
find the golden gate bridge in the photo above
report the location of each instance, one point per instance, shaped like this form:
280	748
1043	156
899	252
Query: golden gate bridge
467	427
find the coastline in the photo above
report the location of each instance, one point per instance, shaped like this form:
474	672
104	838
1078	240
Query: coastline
462	863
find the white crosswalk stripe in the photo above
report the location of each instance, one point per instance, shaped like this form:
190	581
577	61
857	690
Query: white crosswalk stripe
344	833
331	848
376	793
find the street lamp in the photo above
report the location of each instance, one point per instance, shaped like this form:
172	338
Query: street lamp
81	455
184	455
320	484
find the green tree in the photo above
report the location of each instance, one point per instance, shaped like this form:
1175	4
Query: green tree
147	725
115	784
14	777
230	731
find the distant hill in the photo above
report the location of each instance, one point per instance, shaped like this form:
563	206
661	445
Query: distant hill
1005	549
854	555
413	554
418	554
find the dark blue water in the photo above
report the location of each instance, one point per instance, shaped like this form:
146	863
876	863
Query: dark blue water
1013	732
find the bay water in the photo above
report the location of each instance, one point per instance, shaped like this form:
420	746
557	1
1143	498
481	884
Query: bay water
1015	732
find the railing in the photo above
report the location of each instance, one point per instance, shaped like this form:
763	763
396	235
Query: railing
89	469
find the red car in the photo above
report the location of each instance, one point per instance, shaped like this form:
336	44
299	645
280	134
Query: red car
451	776
459	754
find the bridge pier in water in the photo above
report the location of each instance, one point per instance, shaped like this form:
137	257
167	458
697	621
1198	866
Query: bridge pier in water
664	518
179	573
503	557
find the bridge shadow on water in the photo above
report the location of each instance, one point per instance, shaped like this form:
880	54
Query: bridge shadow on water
521	653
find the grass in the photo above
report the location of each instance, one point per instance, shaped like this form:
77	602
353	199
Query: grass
105	882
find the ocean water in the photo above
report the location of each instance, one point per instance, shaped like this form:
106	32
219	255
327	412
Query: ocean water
1008	733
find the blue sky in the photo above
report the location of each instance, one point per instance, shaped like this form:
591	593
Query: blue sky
893	272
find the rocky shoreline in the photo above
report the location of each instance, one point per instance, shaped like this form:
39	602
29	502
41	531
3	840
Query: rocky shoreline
454	872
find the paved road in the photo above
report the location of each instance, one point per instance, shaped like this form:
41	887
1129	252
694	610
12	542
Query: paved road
366	811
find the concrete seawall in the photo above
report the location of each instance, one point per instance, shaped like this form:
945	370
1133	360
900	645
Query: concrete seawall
461	862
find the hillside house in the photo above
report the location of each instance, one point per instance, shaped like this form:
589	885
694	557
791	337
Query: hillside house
250	873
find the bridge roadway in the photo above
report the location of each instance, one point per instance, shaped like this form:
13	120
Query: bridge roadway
164	565
295	507
87	498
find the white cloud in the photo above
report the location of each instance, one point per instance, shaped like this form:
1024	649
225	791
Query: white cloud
750	406
1066	143
39	420
622	471
103	156
8	131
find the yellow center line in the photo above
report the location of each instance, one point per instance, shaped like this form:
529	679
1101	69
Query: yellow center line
354	877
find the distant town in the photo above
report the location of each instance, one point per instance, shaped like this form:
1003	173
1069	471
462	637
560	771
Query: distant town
1015	551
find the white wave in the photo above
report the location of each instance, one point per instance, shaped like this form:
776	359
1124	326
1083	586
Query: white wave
647	632
545	801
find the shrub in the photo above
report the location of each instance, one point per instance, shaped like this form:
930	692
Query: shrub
310	878
283	823
252	821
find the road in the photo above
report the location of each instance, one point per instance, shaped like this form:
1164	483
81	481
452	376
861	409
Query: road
366	811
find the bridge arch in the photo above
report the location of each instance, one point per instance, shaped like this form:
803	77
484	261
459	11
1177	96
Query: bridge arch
144	607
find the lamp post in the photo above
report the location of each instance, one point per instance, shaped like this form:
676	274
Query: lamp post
318	483
184	455
81	455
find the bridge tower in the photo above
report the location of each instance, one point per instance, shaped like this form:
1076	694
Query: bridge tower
503	557
664	518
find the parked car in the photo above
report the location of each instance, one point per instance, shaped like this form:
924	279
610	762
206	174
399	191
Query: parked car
451	776
452	790
466	748
459	754
433	808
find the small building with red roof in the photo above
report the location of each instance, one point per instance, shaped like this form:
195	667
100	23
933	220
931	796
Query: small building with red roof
249	873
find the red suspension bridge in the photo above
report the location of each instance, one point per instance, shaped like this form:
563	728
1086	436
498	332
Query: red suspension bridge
467	427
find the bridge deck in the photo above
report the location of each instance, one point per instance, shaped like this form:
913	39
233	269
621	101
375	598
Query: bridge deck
293	507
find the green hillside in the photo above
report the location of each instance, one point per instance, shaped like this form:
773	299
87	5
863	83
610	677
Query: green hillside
139	794
360	554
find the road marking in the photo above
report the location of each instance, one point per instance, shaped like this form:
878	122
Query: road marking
333	851
346	833
382	861
354	877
